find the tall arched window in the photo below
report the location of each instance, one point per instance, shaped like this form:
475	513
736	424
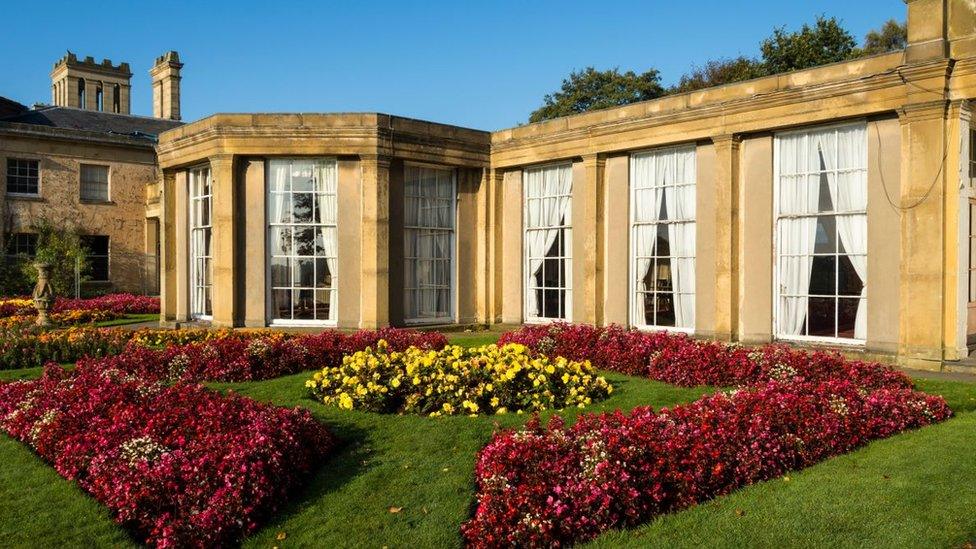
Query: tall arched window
99	98
81	93
116	98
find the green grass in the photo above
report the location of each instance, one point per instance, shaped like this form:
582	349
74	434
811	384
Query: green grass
912	490
129	319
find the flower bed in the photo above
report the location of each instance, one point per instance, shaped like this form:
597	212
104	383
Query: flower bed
553	486
67	318
121	304
680	360
26	348
249	356
455	380
177	465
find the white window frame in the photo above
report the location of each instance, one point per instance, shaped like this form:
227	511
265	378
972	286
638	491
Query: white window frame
269	287
452	316
847	342
632	258
108	183
198	300
567	257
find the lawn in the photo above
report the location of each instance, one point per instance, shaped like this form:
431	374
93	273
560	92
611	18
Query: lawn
129	319
402	481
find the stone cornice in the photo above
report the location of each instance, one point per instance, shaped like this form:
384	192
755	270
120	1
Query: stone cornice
15	129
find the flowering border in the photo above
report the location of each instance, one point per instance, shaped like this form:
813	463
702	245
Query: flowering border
554	486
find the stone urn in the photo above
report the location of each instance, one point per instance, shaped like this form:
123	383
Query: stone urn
43	293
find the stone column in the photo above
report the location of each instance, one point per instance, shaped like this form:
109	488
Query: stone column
223	241
253	241
587	236
725	235
922	204
512	273
375	243
493	307
615	261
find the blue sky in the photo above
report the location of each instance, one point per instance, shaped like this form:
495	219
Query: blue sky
479	64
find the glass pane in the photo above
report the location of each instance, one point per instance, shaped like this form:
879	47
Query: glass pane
848	281
302	207
664	304
823	278
826	242
281	241
846	316
821	311
281	303
323	304
305	241
304	273
280	272
323	278
304	308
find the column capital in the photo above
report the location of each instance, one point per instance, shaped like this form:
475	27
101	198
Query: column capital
381	160
594	159
727	140
221	159
919	112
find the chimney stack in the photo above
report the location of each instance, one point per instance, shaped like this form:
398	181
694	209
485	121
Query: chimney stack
166	86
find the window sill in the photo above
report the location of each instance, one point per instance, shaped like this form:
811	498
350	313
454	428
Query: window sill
97	202
26	197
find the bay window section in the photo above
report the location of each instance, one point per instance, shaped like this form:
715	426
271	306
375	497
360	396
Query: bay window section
821	234
201	238
662	215
302	241
547	243
428	244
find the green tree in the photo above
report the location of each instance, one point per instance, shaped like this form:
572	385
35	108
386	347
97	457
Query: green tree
890	37
825	42
590	89
61	247
721	71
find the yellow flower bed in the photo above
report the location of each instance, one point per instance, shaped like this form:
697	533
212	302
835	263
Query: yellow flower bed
455	380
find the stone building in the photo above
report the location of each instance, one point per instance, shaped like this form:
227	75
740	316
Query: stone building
85	162
830	206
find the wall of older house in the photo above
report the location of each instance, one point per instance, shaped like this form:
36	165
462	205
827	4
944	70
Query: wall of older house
122	218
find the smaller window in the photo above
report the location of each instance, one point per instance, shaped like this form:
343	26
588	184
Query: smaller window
97	247
22	176
99	99
94	183
116	98
24	244
972	153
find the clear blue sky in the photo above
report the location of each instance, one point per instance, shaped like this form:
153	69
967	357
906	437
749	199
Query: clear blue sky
480	64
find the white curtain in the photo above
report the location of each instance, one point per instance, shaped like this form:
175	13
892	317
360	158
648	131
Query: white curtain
668	177
849	193
798	194
326	176
547	212
429	211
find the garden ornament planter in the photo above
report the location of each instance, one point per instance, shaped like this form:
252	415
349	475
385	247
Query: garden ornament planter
43	293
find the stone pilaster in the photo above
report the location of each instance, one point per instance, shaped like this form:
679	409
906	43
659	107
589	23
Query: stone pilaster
176	196
587	239
921	201
224	238
375	243
725	235
255	255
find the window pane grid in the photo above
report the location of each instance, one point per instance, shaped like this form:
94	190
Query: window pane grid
821	228
429	218
94	183
201	231
663	226
303	242
22	176
548	242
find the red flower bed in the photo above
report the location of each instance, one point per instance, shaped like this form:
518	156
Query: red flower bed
554	486
178	465
114	303
248	357
680	360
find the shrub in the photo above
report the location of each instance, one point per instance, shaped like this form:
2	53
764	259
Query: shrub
681	360
455	380
553	486
177	465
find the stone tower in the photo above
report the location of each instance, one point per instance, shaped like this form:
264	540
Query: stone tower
89	85
166	86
